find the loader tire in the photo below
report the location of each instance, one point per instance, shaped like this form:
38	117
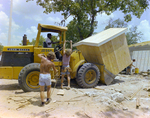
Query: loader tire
29	77
88	75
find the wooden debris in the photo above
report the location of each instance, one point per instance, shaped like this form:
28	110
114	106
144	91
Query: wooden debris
61	92
134	94
69	100
137	103
51	109
22	106
99	88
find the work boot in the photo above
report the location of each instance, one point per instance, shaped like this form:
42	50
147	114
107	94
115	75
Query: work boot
42	104
48	100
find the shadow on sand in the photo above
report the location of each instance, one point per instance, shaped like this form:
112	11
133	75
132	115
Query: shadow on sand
10	87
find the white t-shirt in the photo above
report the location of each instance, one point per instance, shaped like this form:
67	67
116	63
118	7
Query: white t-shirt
48	41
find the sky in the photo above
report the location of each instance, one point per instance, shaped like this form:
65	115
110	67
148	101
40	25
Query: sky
27	15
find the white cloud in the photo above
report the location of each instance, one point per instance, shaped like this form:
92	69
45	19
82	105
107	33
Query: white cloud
30	10
1	6
31	32
144	27
16	39
3	37
26	8
4	26
3	20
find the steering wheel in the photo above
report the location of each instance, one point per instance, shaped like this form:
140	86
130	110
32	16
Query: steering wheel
58	48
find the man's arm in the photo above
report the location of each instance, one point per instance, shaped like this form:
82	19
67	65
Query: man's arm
41	55
55	42
64	47
55	70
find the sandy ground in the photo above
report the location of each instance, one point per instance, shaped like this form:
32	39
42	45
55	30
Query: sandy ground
117	100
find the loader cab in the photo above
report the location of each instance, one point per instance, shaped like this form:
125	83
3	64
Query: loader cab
50	29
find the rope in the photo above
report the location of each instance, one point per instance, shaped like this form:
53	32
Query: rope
56	77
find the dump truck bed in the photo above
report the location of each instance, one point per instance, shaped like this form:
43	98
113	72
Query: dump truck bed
108	48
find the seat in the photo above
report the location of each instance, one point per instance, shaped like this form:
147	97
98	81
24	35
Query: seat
44	45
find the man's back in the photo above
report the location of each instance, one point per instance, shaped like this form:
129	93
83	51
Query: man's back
45	65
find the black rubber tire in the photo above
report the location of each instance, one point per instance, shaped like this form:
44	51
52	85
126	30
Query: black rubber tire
24	73
81	75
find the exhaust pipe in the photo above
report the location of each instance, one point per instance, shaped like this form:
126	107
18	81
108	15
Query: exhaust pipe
25	39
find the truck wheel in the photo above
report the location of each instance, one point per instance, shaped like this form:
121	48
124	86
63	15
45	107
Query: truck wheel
29	77
88	75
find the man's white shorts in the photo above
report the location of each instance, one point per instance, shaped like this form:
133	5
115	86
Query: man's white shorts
44	79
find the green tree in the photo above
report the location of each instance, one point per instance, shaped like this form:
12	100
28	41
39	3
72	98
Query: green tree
84	12
1	47
133	35
41	40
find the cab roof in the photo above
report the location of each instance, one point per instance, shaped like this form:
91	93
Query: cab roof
51	28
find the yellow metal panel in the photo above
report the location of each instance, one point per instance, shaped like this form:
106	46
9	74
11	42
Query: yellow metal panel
25	48
74	71
16	71
76	60
6	72
41	51
48	27
140	44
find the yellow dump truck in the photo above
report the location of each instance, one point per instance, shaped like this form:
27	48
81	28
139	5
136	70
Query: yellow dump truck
99	57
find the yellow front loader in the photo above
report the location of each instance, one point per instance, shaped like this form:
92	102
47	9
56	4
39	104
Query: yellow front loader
22	62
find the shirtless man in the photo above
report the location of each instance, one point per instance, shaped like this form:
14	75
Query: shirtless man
45	77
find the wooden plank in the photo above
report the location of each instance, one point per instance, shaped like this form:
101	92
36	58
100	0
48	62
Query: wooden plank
109	58
91	54
121	52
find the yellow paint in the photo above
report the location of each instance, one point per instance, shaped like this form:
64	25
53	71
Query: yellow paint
76	60
49	28
32	79
26	48
41	51
6	72
90	76
74	70
136	70
16	71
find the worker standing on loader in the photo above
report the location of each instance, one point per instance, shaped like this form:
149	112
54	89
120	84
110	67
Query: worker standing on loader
45	77
65	67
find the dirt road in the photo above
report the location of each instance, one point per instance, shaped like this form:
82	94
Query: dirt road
117	100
